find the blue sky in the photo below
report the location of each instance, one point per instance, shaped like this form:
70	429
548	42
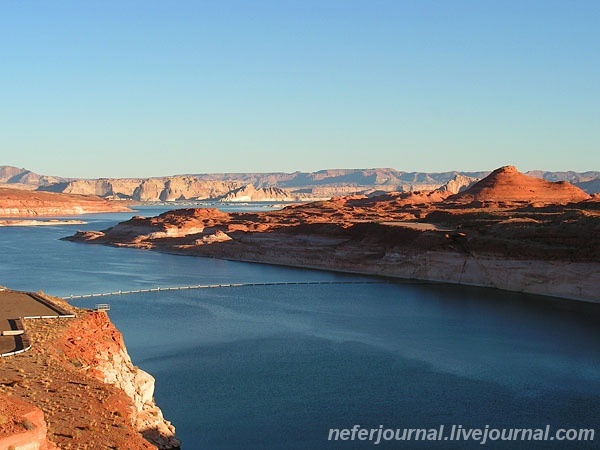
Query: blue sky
148	88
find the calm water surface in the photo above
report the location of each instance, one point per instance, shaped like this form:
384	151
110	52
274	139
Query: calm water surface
275	367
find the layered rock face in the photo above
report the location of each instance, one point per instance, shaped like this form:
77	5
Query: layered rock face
20	203
181	188
518	238
103	187
249	193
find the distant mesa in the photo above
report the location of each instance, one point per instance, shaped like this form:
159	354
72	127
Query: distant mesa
25	179
508	185
271	186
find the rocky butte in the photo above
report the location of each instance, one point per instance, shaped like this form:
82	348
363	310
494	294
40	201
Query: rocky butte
508	231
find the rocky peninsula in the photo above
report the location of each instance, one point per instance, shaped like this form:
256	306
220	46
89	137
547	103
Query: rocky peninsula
25	203
509	231
39	223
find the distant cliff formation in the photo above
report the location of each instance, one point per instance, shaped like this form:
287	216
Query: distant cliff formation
249	187
249	193
296	186
25	179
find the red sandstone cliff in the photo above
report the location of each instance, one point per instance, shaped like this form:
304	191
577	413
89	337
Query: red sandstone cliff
93	344
78	373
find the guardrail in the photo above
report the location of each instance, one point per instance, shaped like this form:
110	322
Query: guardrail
21	331
11	332
60	312
16	352
25	339
64	316
214	286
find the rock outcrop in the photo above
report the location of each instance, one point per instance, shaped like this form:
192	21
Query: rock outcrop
79	374
22	426
22	203
503	232
509	186
98	346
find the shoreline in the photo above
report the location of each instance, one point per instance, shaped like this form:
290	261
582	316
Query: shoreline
39	223
534	288
508	231
578	285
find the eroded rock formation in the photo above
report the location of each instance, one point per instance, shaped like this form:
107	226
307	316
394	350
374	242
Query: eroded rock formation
508	231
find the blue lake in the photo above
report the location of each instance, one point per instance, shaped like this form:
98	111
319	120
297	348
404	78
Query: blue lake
275	367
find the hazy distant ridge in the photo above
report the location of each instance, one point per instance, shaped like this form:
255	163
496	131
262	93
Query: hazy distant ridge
270	186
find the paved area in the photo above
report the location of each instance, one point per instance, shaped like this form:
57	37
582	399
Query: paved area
14	305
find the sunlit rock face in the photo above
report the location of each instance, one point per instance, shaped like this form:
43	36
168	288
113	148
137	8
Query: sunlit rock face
22	203
508	185
508	231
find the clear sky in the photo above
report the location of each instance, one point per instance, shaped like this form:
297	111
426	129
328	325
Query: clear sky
146	88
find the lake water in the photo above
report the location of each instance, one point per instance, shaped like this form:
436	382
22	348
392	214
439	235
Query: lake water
275	367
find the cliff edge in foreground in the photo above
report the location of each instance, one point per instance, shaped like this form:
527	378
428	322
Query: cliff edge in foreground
508	231
79	380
